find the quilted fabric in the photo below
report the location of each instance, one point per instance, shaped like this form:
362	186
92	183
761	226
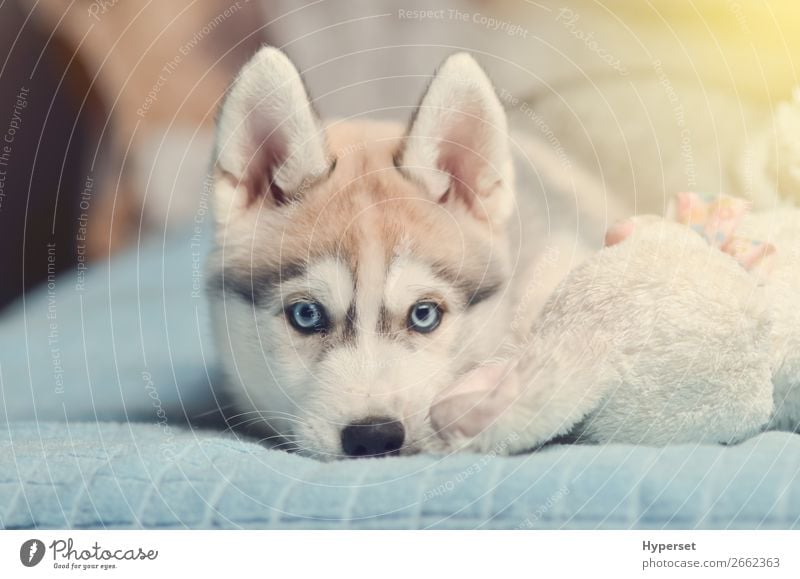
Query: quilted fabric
135	475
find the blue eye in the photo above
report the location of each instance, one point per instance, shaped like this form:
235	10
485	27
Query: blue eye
424	317
307	317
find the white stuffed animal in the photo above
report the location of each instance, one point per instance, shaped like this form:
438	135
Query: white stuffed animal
684	331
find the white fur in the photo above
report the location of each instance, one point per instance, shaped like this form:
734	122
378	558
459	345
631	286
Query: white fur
782	293
328	280
409	281
658	340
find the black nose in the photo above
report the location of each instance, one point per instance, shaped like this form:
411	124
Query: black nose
373	436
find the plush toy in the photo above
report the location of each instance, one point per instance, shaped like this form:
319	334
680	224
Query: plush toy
680	330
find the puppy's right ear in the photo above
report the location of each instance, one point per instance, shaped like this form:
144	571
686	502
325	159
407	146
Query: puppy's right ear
269	142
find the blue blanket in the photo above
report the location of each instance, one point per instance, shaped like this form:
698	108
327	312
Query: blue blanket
136	475
100	376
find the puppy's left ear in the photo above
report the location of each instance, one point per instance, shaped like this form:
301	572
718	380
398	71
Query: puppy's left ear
457	146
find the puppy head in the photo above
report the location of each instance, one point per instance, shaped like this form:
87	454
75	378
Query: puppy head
359	268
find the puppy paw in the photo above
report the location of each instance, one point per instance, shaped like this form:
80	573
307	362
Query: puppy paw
466	415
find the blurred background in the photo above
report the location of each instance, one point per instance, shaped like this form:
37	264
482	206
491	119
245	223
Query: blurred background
107	107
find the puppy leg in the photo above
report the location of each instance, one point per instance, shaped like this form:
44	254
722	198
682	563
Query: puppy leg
519	405
476	402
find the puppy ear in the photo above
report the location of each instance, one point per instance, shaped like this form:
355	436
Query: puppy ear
269	141
457	145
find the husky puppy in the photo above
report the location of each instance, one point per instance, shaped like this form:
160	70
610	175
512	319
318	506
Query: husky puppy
361	267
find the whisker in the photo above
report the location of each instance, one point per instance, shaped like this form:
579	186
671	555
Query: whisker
281	445
216	410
